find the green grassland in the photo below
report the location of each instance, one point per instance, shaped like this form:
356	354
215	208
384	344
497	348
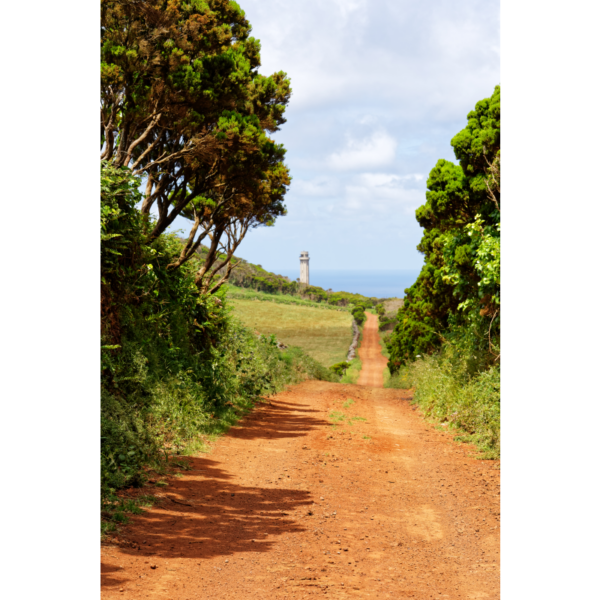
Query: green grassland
325	335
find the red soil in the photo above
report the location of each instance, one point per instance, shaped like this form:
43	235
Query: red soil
287	506
373	362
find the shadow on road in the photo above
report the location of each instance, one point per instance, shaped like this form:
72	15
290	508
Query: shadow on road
223	518
277	420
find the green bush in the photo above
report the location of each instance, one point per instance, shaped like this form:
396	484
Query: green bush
458	289
176	365
359	315
352	373
340	368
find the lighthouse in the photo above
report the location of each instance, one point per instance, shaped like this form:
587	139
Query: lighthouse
304	268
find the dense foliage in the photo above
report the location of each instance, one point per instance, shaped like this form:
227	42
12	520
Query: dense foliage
457	294
175	364
183	105
359	315
185	126
446	342
186	120
340	368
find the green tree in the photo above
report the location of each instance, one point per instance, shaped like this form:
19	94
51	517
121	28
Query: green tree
457	293
183	105
359	315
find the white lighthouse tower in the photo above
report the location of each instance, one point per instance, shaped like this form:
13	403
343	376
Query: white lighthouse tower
304	268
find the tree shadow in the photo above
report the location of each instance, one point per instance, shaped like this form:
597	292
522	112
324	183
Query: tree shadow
108	580
276	420
203	519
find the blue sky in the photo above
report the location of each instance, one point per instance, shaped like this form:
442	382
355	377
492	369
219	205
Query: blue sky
379	89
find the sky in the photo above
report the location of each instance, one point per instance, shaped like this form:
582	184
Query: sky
380	87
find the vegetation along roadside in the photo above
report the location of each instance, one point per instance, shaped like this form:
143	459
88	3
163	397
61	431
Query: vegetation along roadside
446	342
177	366
186	131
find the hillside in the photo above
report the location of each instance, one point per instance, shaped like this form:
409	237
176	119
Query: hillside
324	335
251	276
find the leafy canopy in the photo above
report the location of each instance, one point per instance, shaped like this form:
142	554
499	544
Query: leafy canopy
457	293
183	105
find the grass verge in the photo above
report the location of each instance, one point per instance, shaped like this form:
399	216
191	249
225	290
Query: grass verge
384	350
468	404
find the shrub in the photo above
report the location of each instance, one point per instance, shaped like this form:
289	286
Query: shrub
340	368
450	390
359	315
175	364
387	323
458	289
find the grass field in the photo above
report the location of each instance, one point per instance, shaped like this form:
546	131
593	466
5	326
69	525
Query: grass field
325	335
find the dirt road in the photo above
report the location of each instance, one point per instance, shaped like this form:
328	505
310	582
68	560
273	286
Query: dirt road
373	362
328	489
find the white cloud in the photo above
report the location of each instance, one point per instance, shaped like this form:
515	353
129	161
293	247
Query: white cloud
414	57
386	180
364	198
377	151
317	187
379	90
347	7
383	193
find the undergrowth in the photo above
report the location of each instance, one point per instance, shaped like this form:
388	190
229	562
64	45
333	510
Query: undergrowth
177	368
352	372
448	391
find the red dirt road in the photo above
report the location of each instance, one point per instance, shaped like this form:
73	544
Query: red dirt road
373	362
327	489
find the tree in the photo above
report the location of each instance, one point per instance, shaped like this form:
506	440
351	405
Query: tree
358	313
457	292
183	106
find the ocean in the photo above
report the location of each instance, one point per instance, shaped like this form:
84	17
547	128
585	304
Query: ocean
377	284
